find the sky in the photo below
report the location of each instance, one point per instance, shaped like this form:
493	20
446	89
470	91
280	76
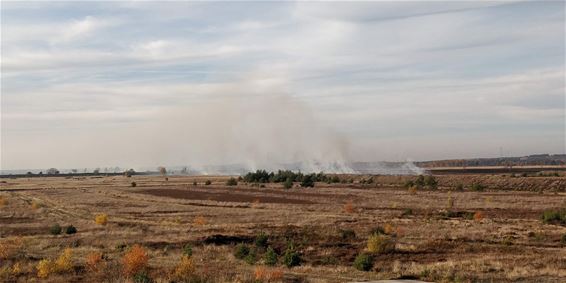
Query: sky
146	83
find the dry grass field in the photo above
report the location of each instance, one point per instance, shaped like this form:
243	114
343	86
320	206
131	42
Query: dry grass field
132	234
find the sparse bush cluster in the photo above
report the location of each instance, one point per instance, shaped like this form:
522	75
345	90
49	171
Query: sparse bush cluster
288	177
422	182
557	216
266	254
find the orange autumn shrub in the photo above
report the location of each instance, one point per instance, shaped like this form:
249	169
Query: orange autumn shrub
199	221
135	260
264	274
349	207
94	261
478	216
64	262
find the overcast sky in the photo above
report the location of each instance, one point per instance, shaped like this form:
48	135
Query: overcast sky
149	83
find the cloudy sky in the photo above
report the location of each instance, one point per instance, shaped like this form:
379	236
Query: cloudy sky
176	83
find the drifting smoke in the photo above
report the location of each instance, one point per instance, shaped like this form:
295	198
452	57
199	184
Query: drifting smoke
249	133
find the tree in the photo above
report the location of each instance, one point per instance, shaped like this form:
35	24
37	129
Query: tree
162	170
52	171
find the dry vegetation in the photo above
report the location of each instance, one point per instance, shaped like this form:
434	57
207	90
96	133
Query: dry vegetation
226	230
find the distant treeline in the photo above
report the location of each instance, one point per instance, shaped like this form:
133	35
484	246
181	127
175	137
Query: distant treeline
531	160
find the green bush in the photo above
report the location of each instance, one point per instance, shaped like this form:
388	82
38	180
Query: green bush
308	181
554	216
232	182
70	229
261	240
347	234
207	183
133	184
363	262
291	257
270	257
241	251
459	187
55	229
563	239
188	250
288	183
477	187
431	182
142	277
251	258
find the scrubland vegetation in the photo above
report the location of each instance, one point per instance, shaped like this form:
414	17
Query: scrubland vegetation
282	227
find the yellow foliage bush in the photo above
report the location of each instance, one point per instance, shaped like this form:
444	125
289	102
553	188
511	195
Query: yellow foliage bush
135	260
44	268
64	262
378	243
388	229
16	269
101	219
185	270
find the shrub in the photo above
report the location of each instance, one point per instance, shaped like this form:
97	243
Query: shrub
188	250
185	271
477	187
363	262
378	230
563	239
241	251
70	229
101	219
308	181
94	261
408	184
263	274
431	182
64	262
3	201
459	187
251	258
199	221
378	243
135	260
142	277
195	183
413	190
347	234
261	240
291	257
44	268
55	229
133	184
288	183
270	257
232	182
348	207
554	216
478	216
207	183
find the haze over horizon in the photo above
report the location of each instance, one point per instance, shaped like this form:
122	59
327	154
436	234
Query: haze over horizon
137	84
